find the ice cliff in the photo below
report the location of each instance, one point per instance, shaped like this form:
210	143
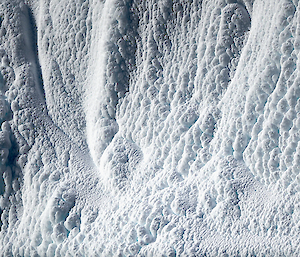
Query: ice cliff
149	128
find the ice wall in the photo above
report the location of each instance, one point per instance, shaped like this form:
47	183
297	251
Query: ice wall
149	128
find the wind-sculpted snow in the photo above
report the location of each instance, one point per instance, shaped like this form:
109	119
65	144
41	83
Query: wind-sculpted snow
149	128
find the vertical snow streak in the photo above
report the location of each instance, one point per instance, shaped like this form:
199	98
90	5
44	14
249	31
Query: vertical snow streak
115	30
101	126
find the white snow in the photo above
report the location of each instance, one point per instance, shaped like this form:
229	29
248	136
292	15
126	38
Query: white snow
149	128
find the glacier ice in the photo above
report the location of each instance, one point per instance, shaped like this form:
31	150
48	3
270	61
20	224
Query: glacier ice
149	128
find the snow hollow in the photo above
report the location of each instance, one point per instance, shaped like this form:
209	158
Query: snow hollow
149	128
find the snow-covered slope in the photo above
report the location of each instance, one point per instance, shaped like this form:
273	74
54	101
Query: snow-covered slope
149	128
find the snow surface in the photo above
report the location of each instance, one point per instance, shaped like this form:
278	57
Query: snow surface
150	128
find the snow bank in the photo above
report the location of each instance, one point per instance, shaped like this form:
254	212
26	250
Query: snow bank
149	128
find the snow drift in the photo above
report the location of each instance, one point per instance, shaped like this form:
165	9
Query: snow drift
149	128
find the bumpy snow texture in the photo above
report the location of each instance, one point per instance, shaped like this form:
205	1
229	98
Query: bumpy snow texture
150	128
